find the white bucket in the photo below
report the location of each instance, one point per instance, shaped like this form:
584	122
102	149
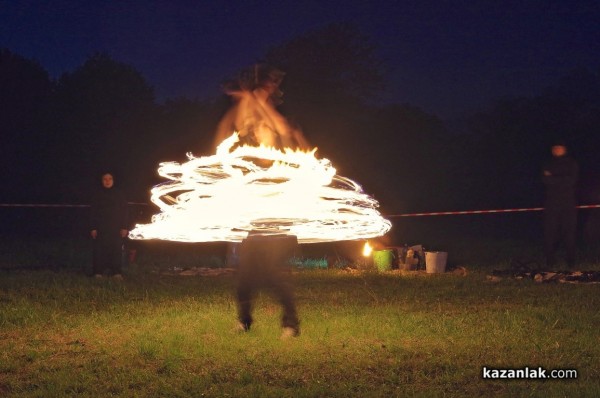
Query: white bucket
435	262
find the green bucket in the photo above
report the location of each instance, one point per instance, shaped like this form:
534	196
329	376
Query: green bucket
383	259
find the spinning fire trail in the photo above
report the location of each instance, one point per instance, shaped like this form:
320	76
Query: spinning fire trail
224	196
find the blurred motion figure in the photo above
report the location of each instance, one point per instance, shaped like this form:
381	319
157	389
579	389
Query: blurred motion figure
263	258
264	264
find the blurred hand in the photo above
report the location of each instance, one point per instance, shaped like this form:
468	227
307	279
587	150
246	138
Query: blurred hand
547	173
94	234
124	233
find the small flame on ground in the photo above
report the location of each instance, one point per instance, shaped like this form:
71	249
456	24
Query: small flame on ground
367	249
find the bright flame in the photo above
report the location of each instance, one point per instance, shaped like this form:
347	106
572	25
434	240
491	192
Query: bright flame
367	249
224	196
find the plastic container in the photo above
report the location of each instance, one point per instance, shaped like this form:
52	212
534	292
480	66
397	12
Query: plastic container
383	259
435	262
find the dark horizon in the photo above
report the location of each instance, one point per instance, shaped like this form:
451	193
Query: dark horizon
446	58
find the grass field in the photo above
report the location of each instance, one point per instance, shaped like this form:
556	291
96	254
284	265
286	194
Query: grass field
364	334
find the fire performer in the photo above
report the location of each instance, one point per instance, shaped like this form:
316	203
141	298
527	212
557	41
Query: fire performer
560	214
108	227
264	264
255	94
253	115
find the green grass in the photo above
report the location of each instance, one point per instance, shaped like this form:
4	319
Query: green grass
363	334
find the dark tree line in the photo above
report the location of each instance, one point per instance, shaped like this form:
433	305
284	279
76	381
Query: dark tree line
57	135
512	138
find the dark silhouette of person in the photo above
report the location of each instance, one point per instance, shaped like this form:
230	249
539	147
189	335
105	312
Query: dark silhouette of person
264	264
108	226
560	175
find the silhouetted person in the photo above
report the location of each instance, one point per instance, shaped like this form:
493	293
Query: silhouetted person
560	175
108	226
263	259
264	264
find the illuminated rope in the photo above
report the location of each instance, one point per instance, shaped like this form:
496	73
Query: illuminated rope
56	205
225	196
438	213
452	213
448	213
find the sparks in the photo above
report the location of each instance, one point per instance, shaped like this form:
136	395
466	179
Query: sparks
257	188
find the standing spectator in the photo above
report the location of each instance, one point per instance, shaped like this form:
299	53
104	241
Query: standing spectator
264	264
108	228
560	213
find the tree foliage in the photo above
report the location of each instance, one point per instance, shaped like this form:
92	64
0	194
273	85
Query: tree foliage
103	111
336	62
510	140
333	74
25	92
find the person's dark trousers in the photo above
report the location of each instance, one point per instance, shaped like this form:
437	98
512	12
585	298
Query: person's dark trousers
264	264
560	225
107	254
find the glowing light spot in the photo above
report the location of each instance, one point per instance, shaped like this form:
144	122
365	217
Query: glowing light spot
367	250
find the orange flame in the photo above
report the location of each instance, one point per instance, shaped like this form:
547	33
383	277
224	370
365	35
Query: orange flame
367	249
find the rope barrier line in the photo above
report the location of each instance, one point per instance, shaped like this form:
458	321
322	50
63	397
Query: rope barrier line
448	213
438	213
55	205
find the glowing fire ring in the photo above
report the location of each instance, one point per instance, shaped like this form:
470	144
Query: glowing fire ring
224	196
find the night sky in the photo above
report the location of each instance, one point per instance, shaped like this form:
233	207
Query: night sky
446	57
